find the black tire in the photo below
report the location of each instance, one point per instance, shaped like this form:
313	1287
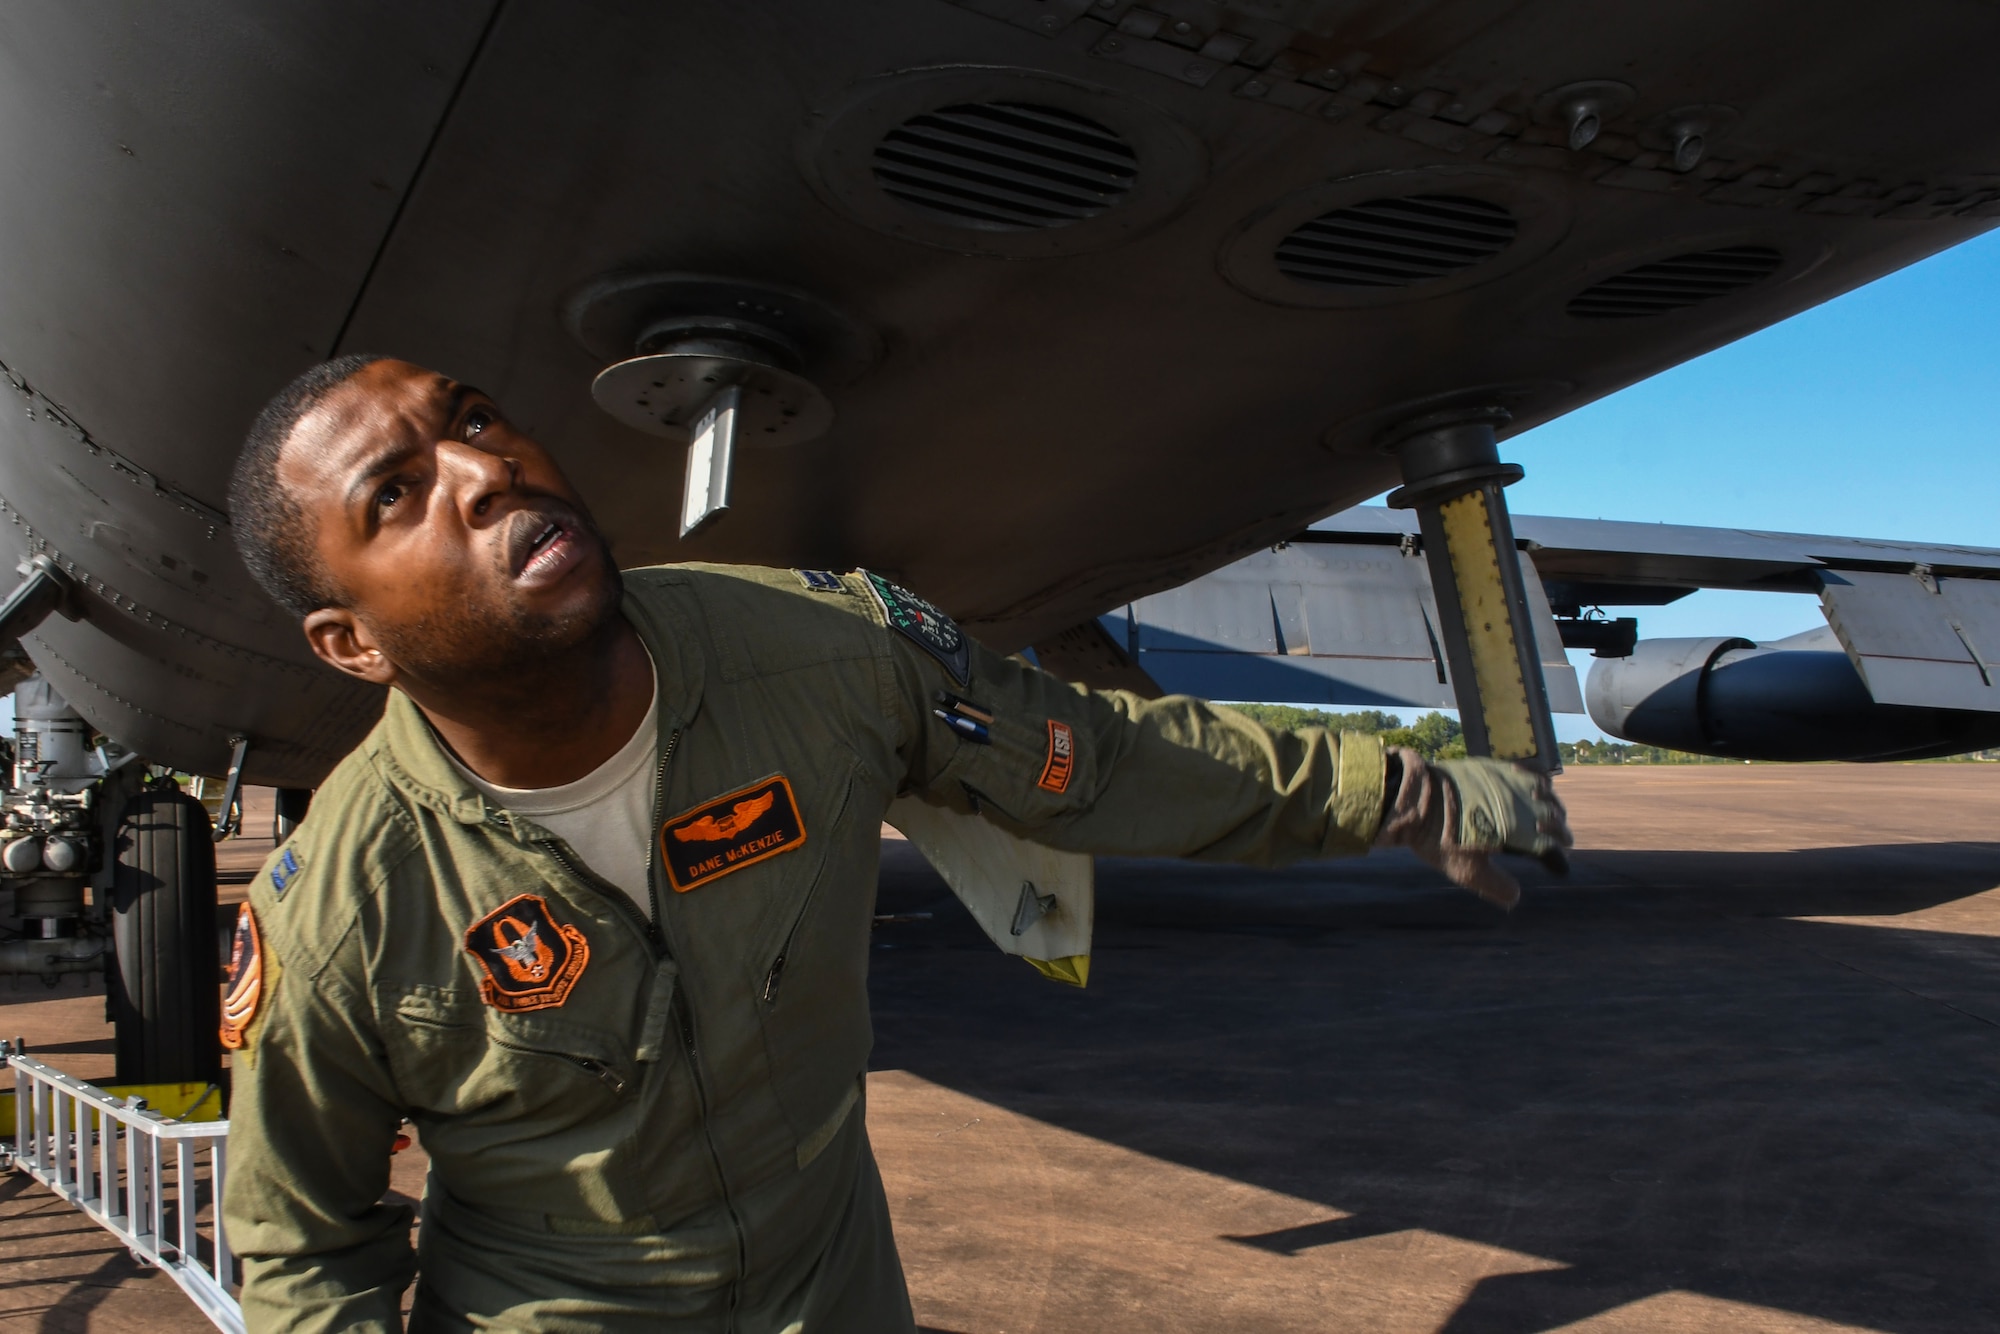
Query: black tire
292	804
164	995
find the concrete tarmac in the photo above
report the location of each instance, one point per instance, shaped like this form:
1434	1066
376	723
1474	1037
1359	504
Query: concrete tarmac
1740	1071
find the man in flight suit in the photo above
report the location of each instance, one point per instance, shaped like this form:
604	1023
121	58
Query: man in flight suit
590	906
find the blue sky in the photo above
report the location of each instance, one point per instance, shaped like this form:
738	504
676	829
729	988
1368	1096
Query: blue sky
1874	415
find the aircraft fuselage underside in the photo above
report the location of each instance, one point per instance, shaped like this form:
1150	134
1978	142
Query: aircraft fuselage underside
1117	292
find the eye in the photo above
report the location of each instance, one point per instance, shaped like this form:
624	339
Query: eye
389	494
476	421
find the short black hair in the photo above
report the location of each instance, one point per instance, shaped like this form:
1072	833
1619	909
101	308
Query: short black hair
274	534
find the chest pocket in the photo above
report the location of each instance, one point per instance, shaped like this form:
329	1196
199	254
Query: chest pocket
453	1054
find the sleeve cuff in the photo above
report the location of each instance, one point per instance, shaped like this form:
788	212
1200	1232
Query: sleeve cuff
1357	803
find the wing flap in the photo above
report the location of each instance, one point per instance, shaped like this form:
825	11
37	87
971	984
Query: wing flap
1919	639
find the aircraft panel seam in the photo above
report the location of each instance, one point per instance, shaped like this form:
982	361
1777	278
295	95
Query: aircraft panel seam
138	611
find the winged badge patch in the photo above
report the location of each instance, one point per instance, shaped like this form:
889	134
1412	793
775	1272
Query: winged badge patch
531	961
735	830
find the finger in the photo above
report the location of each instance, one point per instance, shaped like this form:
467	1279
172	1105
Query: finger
1494	885
1475	871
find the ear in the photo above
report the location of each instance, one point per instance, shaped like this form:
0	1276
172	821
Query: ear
344	643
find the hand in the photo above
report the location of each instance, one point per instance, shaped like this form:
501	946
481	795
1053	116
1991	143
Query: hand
1458	814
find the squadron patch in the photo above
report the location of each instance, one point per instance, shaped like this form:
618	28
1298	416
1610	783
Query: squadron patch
531	960
1061	762
282	873
246	980
820	581
934	631
731	832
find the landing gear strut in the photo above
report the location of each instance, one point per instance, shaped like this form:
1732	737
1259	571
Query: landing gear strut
1452	478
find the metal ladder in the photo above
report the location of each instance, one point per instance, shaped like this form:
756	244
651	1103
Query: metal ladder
142	1176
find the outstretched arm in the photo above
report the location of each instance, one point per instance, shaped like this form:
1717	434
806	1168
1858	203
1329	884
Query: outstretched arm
1111	772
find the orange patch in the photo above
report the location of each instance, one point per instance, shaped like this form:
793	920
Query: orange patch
736	830
246	980
531	960
1061	763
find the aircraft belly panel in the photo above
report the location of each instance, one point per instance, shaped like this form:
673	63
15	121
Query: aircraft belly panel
1062	418
1046	433
195	192
178	650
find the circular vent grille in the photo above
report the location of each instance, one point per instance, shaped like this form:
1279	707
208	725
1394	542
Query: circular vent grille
1675	284
1395	242
1006	166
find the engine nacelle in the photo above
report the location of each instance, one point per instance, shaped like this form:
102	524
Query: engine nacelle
1793	699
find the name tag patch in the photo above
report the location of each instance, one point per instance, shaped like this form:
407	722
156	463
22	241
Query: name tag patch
1061	761
246	980
531	960
739	829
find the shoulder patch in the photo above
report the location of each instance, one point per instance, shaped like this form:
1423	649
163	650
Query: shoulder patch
820	581
283	873
531	960
246	979
1061	761
736	830
933	631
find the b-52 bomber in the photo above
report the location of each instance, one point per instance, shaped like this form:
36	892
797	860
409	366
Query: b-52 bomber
1039	307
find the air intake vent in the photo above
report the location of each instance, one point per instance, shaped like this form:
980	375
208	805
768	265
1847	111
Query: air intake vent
1395	242
1005	166
1675	284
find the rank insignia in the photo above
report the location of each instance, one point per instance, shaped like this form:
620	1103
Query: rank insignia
246	980
1061	761
282	873
739	829
935	632
820	581
531	960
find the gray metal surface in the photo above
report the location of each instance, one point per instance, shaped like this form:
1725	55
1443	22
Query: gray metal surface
1601	553
1317	623
1932	641
1797	699
202	200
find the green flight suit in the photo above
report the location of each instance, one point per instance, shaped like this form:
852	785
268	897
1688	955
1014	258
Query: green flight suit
632	1125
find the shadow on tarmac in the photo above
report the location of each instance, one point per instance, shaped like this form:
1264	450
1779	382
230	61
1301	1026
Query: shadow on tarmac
1654	1074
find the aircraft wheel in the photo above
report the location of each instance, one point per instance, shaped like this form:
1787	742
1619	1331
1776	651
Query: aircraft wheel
165	998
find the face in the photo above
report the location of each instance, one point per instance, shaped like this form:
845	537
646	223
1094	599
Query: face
459	547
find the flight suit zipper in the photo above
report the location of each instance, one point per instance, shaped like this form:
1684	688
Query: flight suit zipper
769	994
599	1070
685	1022
659	819
603	1073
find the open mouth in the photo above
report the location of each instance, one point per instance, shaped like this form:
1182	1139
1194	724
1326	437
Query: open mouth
540	546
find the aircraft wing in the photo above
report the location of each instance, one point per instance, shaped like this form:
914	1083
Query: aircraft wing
1909	661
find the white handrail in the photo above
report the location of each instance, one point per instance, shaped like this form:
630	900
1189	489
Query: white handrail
108	1156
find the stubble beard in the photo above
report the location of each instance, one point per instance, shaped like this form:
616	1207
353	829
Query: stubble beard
506	649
